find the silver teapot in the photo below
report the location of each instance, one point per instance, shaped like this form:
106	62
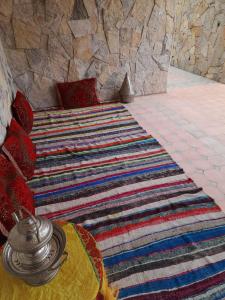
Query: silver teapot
35	248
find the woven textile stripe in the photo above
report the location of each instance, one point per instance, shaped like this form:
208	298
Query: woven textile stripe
160	235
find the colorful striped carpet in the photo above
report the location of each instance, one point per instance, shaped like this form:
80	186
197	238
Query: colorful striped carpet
160	235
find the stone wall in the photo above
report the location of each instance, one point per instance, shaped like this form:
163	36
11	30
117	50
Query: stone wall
6	94
49	41
199	38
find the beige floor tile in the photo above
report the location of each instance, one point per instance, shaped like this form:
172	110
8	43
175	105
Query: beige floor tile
189	122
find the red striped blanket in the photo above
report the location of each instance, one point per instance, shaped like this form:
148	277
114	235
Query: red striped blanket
160	235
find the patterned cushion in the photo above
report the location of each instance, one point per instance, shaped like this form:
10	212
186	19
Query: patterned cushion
22	112
78	94
19	148
13	192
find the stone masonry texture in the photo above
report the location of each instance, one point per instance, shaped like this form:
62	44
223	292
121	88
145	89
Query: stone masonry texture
49	41
199	38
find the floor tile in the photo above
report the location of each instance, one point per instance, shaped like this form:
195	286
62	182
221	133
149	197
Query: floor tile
189	122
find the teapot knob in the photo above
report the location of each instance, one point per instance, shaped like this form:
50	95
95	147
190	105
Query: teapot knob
18	217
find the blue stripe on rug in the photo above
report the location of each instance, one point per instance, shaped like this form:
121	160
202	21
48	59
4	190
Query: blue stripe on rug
81	185
176	281
168	243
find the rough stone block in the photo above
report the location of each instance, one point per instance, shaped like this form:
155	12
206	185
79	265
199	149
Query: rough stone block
59	7
64	27
6	7
17	60
81	68
37	59
162	62
135	39
106	72
73	74
113	15
24	81
127	6
81	28
23	11
109	94
79	11
66	41
42	93
170	8
125	37
56	68
83	48
113	40
95	68
51	24
6	33
91	8
55	46
27	34
141	8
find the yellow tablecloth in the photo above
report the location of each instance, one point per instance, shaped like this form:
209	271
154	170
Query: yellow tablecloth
76	280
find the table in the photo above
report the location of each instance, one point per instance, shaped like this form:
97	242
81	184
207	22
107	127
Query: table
82	277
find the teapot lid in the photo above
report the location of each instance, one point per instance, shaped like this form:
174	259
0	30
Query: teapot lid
29	234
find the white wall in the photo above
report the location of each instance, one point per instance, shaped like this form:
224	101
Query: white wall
6	94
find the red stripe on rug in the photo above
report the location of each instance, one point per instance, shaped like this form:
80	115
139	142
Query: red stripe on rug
116	197
184	292
105	162
158	220
67	150
74	128
101	178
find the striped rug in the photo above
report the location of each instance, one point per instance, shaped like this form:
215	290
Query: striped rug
160	235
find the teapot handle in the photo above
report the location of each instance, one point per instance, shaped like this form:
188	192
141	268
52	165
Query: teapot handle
16	218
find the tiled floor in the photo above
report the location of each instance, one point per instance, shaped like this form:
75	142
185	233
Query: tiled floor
189	121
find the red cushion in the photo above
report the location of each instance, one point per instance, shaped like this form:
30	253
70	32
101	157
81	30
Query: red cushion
78	94
19	148
22	112
13	192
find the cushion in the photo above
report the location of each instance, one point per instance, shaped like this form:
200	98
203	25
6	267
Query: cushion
19	148
78	94
22	112
13	192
